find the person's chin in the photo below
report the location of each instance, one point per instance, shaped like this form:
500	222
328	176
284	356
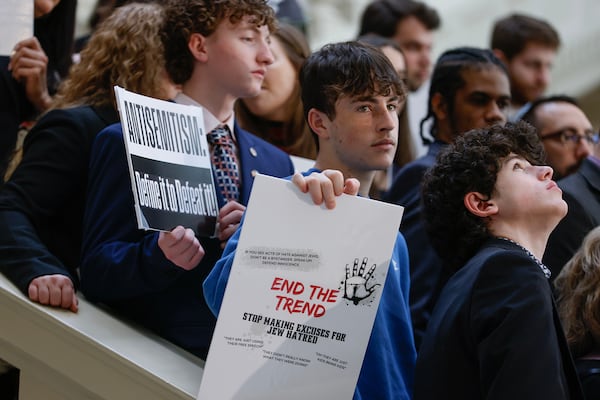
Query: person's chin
251	92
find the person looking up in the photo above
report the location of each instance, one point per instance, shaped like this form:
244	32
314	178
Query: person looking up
469	89
490	205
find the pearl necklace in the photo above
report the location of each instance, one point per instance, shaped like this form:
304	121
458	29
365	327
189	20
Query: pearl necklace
544	269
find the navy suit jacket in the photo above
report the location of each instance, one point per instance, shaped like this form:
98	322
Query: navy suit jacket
123	267
495	334
426	272
581	191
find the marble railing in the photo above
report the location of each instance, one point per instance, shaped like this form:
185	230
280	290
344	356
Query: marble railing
89	355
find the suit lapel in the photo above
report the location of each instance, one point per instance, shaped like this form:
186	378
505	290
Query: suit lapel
591	175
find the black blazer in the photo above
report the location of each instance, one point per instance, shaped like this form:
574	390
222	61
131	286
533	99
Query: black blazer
581	191
41	206
426	273
495	334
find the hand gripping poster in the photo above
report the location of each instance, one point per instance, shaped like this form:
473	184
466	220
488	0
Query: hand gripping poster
169	163
301	296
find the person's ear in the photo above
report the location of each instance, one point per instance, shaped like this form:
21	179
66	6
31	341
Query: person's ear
439	107
197	47
500	54
319	123
480	205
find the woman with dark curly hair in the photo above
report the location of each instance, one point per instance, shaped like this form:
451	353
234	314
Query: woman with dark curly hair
578	298
489	206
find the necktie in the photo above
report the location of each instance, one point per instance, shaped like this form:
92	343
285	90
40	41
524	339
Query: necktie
224	162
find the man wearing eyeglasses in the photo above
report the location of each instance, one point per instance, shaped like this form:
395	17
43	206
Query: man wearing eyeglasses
565	131
573	152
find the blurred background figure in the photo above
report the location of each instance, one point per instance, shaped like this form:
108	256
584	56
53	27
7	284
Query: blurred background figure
528	47
405	151
581	189
276	114
565	131
411	25
290	12
31	76
578	297
100	12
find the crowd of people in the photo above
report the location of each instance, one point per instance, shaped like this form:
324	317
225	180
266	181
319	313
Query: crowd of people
494	293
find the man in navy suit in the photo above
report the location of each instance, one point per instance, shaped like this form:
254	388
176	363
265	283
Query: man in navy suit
217	55
581	191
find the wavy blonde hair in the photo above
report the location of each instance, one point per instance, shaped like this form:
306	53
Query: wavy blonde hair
125	50
578	296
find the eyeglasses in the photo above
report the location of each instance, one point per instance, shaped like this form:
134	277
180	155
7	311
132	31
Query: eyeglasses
571	137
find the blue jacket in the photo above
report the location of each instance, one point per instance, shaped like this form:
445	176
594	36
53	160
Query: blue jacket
388	367
123	267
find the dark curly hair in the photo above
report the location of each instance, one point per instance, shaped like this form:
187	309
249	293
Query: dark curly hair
470	164
185	17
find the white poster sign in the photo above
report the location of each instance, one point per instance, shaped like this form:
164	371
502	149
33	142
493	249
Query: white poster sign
16	23
301	297
169	163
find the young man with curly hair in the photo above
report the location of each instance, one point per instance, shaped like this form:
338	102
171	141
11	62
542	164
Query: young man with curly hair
490	206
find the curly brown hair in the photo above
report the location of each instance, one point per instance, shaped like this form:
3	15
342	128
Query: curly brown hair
470	164
578	296
185	17
125	50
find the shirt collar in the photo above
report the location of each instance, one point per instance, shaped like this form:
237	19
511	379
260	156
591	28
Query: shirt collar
210	121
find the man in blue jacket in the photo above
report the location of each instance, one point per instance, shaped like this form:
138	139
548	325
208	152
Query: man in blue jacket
351	94
217	52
